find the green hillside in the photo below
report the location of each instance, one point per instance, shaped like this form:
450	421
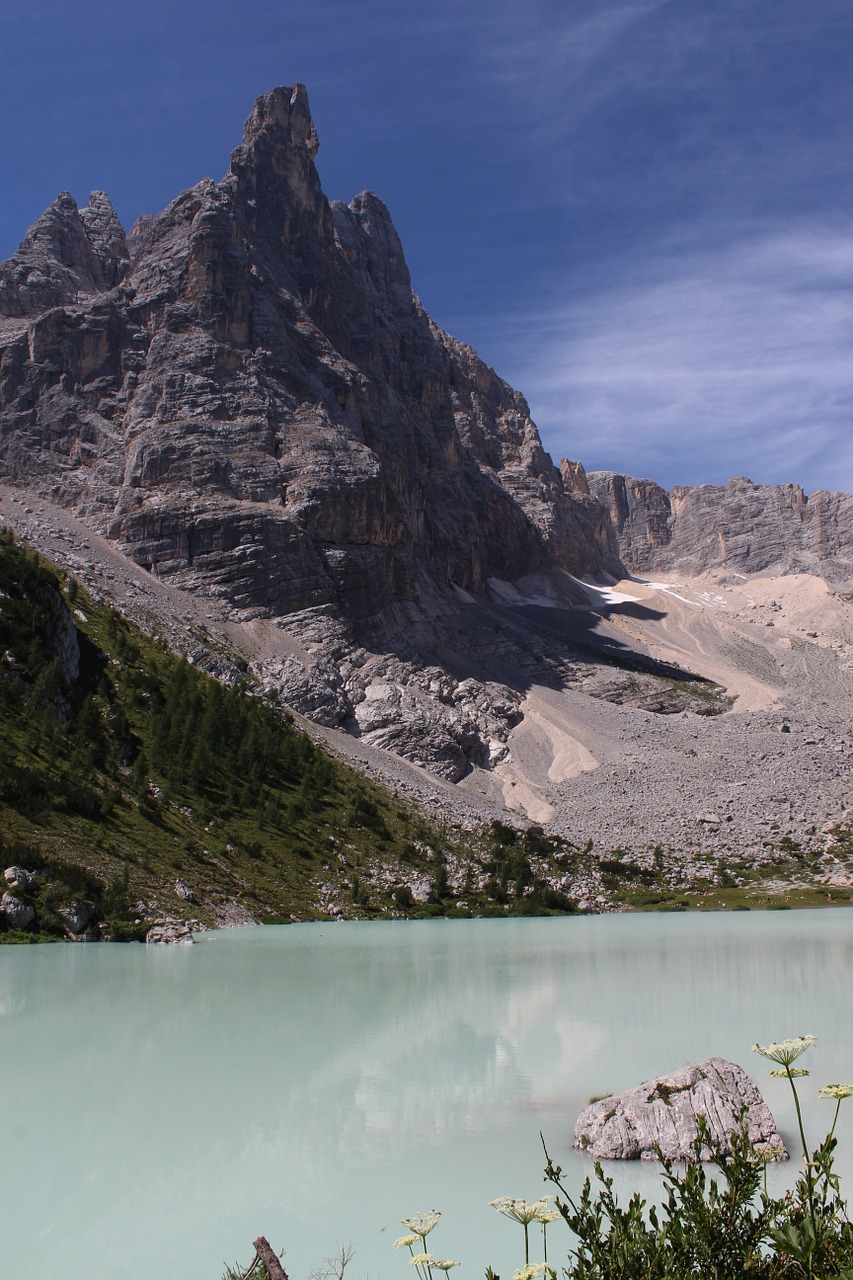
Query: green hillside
123	770
129	780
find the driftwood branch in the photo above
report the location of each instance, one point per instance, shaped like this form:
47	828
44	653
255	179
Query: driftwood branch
268	1257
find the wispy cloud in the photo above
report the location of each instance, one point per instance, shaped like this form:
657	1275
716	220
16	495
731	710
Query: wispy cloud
704	363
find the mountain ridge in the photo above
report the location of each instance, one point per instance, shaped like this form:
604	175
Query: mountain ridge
247	406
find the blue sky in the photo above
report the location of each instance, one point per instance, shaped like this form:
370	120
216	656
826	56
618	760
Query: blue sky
640	212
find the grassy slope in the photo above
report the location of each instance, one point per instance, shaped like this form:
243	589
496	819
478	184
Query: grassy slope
141	770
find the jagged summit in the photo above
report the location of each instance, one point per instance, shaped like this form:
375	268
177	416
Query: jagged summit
279	119
248	401
257	407
67	255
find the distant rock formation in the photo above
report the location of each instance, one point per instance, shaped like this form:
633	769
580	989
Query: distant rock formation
255	406
664	1113
247	398
69	255
258	405
747	527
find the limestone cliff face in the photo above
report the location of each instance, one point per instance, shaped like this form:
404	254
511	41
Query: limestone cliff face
258	406
743	526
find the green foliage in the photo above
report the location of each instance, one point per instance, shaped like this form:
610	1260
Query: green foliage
728	1228
136	764
704	1227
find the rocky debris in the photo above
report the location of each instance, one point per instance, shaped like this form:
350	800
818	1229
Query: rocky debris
17	911
748	527
183	890
76	916
19	878
662	770
175	932
228	913
663	1113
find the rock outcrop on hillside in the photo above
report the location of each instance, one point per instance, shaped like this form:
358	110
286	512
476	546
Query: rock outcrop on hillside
747	527
663	1114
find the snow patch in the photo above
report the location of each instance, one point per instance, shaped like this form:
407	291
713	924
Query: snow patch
603	595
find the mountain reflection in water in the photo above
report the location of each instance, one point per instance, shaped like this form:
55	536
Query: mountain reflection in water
316	1083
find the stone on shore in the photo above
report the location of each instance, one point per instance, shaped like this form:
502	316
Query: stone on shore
18	913
664	1113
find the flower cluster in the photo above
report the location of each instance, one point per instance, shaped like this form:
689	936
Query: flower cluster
785	1052
839	1091
420	1225
525	1211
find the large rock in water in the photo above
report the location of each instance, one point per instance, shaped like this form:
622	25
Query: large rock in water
664	1113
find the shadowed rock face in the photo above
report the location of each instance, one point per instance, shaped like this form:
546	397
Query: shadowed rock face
743	526
664	1113
258	406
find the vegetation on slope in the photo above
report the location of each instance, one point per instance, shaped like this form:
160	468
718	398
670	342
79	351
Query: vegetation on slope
129	779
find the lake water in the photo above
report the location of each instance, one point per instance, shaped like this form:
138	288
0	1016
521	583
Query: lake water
162	1106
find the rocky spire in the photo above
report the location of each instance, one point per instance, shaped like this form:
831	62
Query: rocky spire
64	257
54	264
273	169
106	236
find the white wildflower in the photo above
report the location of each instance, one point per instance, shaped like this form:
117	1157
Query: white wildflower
422	1223
523	1211
785	1051
838	1091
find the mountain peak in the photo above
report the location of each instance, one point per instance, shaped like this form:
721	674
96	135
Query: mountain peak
282	116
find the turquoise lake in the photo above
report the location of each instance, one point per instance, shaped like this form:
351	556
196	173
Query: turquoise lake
317	1083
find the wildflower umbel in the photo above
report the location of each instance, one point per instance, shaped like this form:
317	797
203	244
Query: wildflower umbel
530	1272
406	1241
444	1264
422	1223
525	1212
839	1091
785	1051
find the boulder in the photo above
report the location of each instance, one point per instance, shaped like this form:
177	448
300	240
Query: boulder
76	916
17	877
663	1113
170	932
17	911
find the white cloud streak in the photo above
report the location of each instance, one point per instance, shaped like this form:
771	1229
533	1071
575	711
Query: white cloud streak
704	363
